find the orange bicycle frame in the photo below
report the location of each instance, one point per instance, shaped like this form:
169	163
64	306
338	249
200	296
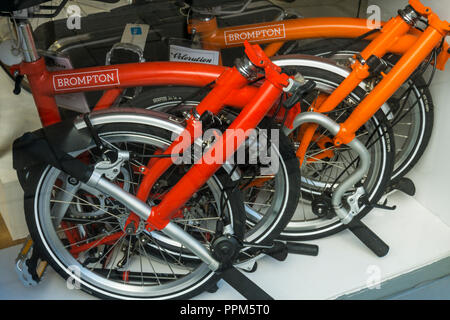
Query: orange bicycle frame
276	33
394	30
396	36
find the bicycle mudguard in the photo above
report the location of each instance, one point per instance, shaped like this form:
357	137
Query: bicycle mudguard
51	146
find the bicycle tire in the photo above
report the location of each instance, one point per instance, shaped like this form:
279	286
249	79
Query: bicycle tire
165	98
38	193
413	133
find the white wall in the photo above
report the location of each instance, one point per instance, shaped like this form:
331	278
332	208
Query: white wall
432	173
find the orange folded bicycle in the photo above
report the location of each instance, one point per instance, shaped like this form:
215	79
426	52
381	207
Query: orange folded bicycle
409	111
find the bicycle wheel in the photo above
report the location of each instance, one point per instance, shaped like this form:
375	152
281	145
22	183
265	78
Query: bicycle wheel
68	220
305	224
411	111
325	165
270	198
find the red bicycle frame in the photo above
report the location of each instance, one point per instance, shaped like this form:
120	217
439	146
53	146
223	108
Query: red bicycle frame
113	79
231	89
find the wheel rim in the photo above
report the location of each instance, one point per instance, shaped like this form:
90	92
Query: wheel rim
304	221
138	285
262	218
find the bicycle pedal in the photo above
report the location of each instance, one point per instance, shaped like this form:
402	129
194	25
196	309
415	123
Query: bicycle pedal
368	238
302	248
404	185
29	270
278	251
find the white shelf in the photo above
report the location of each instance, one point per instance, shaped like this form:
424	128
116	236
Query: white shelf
416	237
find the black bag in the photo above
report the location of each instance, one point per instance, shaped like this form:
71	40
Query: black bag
14	5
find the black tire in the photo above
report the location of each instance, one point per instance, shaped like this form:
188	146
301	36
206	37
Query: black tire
166	99
167	96
45	242
412	131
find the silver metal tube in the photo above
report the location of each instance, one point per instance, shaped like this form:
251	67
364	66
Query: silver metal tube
348	183
176	233
25	34
314	117
143	210
355	144
130	201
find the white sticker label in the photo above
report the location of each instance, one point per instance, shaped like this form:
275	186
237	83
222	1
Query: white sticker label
135	34
72	101
184	54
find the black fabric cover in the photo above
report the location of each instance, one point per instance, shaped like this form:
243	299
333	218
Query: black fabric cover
50	146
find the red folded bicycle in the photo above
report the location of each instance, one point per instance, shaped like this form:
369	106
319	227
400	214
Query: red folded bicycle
111	199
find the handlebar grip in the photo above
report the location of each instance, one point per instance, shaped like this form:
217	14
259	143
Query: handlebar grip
302	248
368	237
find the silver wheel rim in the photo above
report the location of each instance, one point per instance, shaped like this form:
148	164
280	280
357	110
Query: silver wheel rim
92	280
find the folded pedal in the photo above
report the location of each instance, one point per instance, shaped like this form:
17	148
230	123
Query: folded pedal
368	237
404	185
29	267
244	285
302	248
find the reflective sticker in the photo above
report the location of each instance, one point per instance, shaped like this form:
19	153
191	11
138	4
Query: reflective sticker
256	34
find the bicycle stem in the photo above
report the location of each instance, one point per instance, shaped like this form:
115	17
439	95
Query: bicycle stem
320	119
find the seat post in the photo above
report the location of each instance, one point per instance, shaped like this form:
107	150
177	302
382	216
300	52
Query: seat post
25	34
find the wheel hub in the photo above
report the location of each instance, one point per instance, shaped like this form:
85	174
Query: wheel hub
129	228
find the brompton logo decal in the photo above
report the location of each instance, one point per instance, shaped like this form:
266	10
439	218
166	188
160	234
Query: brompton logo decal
82	80
275	31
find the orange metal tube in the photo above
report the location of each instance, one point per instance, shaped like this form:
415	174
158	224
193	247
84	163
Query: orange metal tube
273	48
107	99
391	82
247	119
227	82
393	30
295	29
